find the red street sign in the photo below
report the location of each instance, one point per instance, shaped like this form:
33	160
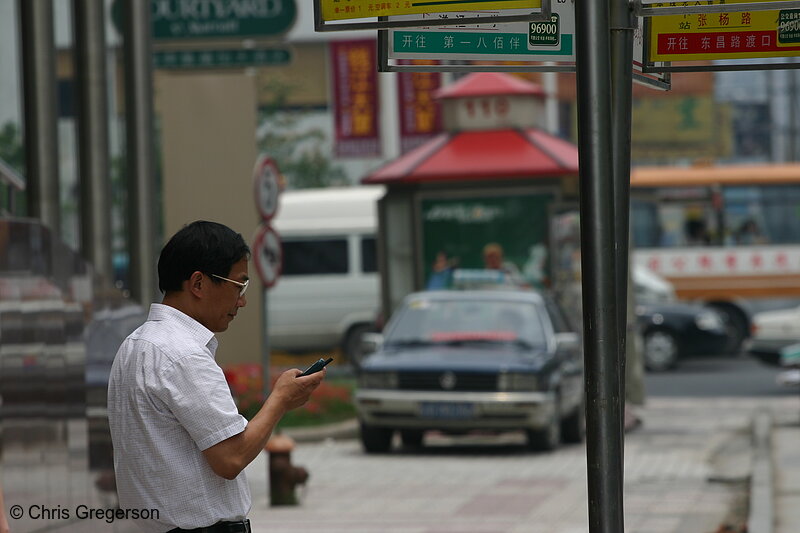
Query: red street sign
268	256
267	183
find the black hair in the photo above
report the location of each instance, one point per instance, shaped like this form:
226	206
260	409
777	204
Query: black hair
203	246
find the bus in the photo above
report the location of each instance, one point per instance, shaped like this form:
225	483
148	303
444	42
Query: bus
724	236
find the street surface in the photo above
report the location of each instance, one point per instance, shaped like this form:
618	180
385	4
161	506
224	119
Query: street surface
716	376
685	470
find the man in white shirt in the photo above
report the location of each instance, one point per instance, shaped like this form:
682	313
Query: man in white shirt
180	445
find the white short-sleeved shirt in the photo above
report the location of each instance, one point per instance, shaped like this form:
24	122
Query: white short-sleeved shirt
168	400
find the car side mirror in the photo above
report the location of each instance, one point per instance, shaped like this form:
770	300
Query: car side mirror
567	341
371	343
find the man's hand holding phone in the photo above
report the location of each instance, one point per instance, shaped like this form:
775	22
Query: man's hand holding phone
293	387
316	367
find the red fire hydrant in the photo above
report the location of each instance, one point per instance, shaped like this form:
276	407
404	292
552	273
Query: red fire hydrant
283	476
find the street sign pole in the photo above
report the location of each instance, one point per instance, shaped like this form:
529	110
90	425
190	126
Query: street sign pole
267	256
265	354
598	258
622	27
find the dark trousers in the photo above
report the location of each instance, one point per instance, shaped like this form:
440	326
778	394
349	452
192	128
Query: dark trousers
240	526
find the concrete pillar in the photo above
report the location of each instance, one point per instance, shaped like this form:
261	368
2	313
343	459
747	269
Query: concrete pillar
40	112
143	213
93	163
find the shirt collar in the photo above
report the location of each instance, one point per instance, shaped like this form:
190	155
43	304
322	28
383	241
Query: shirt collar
204	335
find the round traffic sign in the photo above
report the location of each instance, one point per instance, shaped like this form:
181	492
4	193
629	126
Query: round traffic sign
268	256
267	186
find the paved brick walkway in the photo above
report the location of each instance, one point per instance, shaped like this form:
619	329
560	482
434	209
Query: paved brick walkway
505	489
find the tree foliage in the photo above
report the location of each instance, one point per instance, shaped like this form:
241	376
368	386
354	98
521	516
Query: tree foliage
301	152
12	149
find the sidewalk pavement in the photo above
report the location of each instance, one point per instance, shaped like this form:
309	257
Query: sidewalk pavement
785	447
694	466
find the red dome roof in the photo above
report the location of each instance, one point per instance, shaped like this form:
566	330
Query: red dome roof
482	155
487	84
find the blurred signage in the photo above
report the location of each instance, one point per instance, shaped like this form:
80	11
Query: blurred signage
506	41
459	232
354	9
680	127
184	20
420	114
355	98
221	58
734	35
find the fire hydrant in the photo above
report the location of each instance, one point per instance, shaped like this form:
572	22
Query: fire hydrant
283	476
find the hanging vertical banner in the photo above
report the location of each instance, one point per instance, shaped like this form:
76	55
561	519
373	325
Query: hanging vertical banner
420	114
355	98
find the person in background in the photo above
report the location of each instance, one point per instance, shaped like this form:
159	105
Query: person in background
180	444
441	272
749	233
493	259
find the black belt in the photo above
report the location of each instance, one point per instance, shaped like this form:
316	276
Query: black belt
239	526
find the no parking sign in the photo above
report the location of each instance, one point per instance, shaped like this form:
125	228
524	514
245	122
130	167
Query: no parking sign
268	256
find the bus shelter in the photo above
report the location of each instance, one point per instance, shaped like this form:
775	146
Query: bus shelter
484	194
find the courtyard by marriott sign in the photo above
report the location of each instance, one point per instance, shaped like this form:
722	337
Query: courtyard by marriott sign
214	19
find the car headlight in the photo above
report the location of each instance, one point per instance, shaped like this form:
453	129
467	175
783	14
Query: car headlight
378	380
511	381
708	320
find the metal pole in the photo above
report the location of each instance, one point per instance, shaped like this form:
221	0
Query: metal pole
265	359
792	144
265	354
603	403
622	26
95	201
142	210
40	112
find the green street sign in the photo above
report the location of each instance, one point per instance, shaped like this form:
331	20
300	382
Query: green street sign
207	19
544	33
789	26
178	59
475	45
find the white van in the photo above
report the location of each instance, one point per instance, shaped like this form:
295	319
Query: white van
328	293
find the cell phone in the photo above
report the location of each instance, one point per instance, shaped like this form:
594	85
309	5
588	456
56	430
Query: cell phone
316	367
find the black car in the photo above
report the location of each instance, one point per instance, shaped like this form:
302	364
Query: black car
671	331
458	361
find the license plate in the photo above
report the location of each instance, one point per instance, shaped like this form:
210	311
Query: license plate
447	410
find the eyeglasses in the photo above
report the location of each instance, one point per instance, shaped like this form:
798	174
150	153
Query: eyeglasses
242	286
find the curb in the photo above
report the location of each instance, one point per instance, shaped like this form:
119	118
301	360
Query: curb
761	518
341	430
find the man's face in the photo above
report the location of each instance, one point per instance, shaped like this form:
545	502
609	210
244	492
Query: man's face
224	301
493	259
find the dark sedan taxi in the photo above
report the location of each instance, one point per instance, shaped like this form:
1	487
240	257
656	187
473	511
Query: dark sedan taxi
458	361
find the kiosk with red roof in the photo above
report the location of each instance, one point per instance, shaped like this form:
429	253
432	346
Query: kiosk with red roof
482	194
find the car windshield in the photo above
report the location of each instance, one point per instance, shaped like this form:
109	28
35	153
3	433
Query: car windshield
425	322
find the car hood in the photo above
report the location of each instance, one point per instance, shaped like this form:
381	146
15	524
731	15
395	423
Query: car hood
777	324
458	358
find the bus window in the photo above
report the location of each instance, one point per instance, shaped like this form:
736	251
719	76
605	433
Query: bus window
675	218
762	215
645	226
